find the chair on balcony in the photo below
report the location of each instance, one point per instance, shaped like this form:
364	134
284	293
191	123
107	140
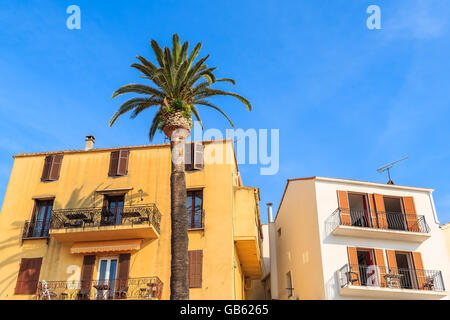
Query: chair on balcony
428	284
352	277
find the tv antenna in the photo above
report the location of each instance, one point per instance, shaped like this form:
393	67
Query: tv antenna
388	167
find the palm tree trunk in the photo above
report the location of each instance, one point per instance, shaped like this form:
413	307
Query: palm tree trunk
179	287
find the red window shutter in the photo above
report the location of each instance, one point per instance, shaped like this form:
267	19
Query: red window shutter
188	157
55	167
354	269
28	278
198	155
195	268
113	163
410	213
345	208
123	273
47	166
122	167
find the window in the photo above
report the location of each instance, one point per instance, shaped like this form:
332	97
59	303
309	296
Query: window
40	222
28	278
52	167
112	210
193	156
195	268
394	213
359	210
118	164
107	271
194	206
289	288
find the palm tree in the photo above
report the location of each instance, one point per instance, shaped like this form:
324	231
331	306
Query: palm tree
179	85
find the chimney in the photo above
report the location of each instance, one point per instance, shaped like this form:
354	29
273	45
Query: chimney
269	212
90	141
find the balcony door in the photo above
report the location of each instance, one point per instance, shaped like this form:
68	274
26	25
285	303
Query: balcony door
194	207
41	220
359	212
107	272
113	208
367	267
394	213
405	269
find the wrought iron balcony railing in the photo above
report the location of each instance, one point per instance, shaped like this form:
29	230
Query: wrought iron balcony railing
148	288
98	217
393	278
378	220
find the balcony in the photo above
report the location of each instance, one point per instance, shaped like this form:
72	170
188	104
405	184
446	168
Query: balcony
149	288
96	224
373	282
35	230
380	225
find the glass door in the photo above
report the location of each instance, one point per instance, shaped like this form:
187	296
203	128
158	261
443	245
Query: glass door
107	270
112	214
194	207
41	221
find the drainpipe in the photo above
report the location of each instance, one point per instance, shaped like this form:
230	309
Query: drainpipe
272	254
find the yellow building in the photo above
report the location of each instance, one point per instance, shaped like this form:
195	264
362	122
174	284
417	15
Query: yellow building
95	224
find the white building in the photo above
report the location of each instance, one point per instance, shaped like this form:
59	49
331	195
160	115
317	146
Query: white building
346	239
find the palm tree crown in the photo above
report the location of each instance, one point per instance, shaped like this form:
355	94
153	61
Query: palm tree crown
179	85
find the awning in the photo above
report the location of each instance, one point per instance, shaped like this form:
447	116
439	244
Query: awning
106	246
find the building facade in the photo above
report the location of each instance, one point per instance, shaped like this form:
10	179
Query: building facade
95	224
346	239
446	231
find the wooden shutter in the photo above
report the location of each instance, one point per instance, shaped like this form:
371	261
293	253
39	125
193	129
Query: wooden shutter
410	212
392	261
379	260
28	278
345	208
381	212
188	157
354	268
122	275
87	273
113	163
195	268
198	155
420	272
55	167
122	168
372	211
47	166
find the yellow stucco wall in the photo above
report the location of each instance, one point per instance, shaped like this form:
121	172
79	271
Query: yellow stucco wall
84	173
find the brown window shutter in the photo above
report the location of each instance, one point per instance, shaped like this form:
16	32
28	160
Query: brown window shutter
188	157
411	215
87	273
372	211
122	168
381	212
195	268
55	167
354	268
28	278
47	166
123	274
379	260
420	272
113	163
198	155
345	208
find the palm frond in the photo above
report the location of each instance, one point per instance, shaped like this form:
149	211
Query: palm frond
131	104
138	88
209	104
209	92
197	116
155	124
158	53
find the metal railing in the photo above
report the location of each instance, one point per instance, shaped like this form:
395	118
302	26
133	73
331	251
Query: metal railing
378	220
147	288
34	230
98	217
394	278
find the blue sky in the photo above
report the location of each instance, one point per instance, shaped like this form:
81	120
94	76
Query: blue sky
345	98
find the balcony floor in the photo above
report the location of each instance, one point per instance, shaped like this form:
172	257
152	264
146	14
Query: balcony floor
118	232
374	233
366	292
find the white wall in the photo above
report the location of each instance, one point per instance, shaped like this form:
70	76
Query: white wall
334	248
